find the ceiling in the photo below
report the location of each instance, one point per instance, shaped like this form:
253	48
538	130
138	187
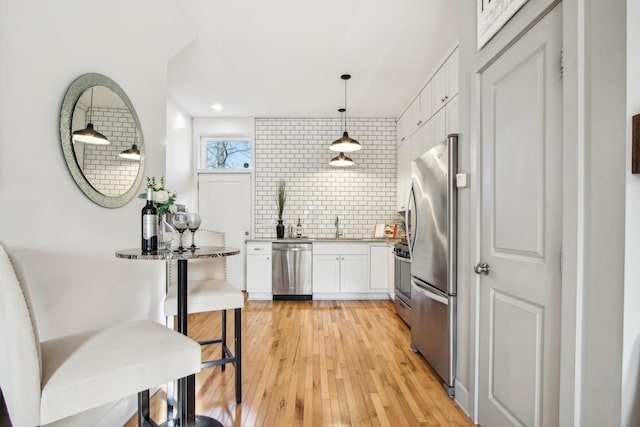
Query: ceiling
284	58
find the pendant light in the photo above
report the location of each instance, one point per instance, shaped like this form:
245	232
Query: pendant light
131	154
89	135
345	144
341	160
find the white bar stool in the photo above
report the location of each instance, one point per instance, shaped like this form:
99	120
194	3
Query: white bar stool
207	291
43	382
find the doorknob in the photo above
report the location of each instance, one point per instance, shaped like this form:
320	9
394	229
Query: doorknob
481	268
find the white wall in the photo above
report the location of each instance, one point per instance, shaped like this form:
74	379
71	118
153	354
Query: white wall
631	336
179	149
62	242
593	228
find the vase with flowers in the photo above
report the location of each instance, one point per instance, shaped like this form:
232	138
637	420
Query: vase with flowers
281	198
164	201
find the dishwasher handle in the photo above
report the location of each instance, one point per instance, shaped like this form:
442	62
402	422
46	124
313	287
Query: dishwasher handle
290	249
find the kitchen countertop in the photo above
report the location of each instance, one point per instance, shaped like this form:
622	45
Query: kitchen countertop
327	240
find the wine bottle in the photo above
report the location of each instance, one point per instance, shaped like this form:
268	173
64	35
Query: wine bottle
149	225
299	229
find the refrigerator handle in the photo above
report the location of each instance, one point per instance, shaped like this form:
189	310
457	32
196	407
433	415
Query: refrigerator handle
414	227
429	294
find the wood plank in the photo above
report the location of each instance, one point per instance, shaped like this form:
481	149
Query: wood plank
316	363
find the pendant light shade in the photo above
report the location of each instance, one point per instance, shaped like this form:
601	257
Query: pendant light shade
89	135
131	154
345	144
341	160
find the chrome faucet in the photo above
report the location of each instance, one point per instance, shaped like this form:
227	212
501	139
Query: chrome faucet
338	227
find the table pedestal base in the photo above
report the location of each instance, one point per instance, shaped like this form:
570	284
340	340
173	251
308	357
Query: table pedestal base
201	421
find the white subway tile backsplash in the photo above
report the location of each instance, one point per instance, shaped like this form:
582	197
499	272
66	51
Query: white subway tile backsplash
297	150
110	174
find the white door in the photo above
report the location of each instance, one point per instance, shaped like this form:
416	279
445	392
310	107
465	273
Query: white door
224	201
520	231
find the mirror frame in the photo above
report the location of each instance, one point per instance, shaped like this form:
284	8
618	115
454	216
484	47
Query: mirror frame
75	91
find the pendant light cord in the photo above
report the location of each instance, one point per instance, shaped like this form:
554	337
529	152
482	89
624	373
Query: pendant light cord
345	105
91	107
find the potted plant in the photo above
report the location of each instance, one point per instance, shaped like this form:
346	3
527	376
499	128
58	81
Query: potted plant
281	198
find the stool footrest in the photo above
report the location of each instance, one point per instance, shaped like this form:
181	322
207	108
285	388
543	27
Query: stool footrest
218	362
208	342
231	358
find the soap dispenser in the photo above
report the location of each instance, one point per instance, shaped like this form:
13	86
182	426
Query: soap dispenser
299	229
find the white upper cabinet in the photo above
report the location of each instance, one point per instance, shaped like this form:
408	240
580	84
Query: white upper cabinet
445	83
403	175
425	105
408	122
426	122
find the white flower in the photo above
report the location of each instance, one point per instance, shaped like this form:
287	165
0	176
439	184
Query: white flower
173	209
161	196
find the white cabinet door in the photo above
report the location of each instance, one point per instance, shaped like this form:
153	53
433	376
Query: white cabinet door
403	175
379	268
445	83
439	89
326	274
439	121
402	126
453	114
423	140
258	275
425	105
408	122
354	273
453	66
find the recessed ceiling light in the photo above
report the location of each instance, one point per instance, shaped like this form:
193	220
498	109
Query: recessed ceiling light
217	107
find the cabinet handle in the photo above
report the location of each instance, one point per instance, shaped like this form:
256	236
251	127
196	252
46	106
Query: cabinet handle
419	123
446	97
402	139
337	258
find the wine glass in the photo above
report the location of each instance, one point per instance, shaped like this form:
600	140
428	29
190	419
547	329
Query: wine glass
194	223
181	223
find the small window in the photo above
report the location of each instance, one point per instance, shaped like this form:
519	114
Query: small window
227	154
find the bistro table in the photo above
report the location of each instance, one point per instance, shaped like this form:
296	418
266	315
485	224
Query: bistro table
186	386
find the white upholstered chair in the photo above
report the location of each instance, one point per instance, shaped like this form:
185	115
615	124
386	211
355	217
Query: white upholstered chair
43	382
207	291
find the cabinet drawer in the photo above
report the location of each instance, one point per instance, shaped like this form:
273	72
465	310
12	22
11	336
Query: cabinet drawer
258	248
341	248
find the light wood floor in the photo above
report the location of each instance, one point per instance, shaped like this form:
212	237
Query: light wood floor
320	363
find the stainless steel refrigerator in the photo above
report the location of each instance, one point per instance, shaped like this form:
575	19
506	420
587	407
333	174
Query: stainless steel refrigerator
432	242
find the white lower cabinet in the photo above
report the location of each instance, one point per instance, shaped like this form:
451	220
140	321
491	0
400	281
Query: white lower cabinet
326	274
343	270
350	270
379	268
340	269
354	273
259	270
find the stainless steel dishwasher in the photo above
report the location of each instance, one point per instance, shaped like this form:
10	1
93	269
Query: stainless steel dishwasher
291	270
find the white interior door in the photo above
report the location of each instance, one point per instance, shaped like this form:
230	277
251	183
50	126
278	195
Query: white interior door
520	231
224	202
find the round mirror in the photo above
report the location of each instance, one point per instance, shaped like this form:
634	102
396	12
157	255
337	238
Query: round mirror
102	140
